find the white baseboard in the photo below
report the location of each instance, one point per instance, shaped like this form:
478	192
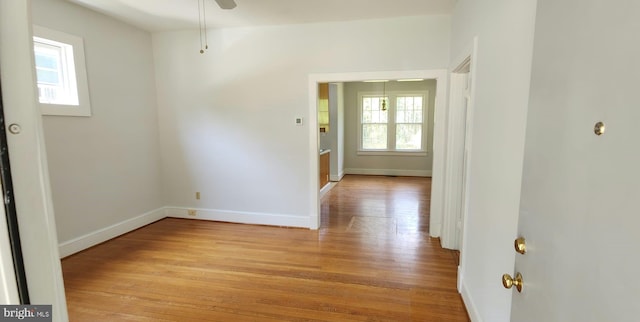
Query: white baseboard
327	188
389	172
338	177
240	217
91	239
435	230
468	300
459	280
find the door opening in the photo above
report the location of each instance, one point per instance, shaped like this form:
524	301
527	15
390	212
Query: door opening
315	79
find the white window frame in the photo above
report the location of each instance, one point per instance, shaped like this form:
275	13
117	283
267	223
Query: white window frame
42	34
391	124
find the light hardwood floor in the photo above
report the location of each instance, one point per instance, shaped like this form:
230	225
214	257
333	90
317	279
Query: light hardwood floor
372	260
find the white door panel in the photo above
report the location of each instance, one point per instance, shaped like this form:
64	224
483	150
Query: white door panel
580	192
28	162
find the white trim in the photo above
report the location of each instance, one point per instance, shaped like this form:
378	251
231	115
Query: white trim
469	140
91	239
437	226
84	104
398	153
101	235
338	177
472	308
443	181
8	285
454	173
327	188
440	75
29	167
459	144
240	217
389	172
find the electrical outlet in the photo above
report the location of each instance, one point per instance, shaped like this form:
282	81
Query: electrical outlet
192	212
198	195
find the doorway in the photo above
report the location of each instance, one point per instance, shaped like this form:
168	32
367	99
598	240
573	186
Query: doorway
314	79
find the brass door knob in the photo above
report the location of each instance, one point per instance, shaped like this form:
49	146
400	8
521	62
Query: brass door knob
520	245
509	281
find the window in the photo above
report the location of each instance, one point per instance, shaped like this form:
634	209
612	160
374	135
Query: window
374	123
409	122
55	72
399	128
323	107
60	73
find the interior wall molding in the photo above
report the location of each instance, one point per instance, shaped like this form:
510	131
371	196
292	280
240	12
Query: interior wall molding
239	217
83	242
389	172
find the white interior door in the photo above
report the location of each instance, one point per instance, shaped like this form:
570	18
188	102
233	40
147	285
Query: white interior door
28	160
580	191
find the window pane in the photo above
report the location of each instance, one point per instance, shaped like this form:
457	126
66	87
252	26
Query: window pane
408	136
417	116
48	93
409	109
366	117
48	77
374	136
46	61
417	105
400	118
400	104
48	64
375	116
372	110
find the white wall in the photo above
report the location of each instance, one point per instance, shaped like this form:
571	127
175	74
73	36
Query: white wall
227	116
505	39
104	168
408	165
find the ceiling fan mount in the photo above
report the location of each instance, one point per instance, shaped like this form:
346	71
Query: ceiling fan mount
226	4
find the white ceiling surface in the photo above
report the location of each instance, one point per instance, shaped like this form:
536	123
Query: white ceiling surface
164	15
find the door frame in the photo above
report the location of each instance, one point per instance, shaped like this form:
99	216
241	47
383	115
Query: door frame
457	134
470	53
441	77
457	180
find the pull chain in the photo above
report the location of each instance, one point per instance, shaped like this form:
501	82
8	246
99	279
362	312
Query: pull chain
200	26
204	13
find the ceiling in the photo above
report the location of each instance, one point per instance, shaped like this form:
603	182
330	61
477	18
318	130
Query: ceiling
164	15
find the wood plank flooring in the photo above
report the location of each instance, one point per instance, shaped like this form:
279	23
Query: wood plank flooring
371	260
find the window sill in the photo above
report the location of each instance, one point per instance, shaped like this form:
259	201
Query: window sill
65	110
394	153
